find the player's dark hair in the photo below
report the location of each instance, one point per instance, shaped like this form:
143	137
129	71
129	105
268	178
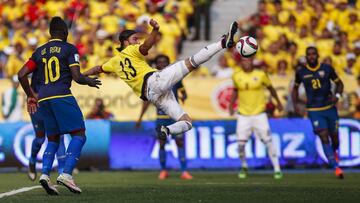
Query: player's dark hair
158	57
124	35
311	47
58	28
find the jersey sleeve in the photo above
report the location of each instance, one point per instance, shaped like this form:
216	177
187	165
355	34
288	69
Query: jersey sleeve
332	74
31	63
135	51
74	57
109	66
297	78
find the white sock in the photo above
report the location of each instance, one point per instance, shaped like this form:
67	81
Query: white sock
273	156
242	154
179	127
205	54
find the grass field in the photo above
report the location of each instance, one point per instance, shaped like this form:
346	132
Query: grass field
206	187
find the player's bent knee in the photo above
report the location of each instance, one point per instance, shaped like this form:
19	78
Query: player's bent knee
54	138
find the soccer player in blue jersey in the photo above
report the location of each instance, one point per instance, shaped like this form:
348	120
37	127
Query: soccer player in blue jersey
320	105
161	62
58	64
38	125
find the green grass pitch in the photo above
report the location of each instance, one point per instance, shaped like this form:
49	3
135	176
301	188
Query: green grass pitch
223	187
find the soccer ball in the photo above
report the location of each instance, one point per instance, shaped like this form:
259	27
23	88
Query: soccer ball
247	46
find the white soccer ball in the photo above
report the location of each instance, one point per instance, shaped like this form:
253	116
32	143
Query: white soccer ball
247	46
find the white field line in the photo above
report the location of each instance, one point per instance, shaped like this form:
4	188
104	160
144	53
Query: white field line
14	192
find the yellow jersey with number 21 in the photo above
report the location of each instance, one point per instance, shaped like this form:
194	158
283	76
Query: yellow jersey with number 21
130	65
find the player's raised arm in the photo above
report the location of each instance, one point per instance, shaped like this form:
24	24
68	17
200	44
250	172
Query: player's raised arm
28	68
232	101
82	79
151	39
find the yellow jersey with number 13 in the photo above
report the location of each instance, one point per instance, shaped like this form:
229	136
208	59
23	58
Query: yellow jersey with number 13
130	65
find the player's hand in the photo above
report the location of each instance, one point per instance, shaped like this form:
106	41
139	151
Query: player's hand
231	111
154	24
94	82
32	105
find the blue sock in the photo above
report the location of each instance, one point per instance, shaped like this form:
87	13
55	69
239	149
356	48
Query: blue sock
182	159
35	148
49	156
329	152
73	153
162	158
60	155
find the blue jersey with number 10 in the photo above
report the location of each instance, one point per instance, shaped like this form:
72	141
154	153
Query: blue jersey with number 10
53	61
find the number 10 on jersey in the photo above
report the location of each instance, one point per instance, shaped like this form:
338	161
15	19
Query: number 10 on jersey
49	74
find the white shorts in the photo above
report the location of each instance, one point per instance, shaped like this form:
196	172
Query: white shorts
257	124
159	89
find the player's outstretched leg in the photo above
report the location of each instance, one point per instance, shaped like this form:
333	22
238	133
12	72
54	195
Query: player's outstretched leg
162	158
182	158
72	156
48	159
244	167
329	152
35	148
207	52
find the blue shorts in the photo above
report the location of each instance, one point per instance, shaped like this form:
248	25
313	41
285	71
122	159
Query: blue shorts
326	119
61	116
37	122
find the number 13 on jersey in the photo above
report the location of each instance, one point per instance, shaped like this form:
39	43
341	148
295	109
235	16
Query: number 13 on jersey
127	68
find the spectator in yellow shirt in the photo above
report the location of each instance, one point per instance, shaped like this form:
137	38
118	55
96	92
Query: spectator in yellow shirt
302	16
15	61
171	33
338	59
110	22
11	11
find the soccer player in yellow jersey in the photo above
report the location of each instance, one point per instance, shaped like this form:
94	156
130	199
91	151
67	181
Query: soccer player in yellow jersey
155	86
249	89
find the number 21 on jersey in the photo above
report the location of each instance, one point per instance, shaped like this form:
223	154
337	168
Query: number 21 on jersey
316	84
48	70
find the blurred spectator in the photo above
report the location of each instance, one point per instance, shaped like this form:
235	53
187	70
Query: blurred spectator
338	58
221	70
282	68
15	60
98	111
350	59
202	13
12	103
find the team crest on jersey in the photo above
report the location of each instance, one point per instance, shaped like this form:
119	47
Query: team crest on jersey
322	73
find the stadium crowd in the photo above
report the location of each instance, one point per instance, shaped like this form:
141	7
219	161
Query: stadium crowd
94	27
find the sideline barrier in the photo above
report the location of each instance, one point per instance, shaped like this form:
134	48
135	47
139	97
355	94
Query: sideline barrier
209	145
